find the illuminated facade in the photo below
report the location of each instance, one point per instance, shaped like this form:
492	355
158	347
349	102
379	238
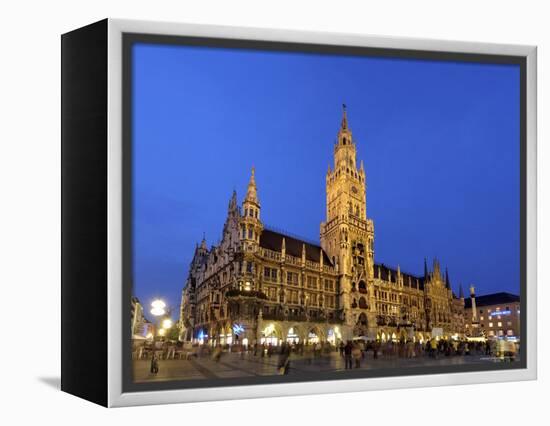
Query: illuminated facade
493	315
261	285
137	319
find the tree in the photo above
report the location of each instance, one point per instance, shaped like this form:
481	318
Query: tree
174	332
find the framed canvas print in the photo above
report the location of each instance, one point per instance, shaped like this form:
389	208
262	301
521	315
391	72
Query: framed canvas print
252	212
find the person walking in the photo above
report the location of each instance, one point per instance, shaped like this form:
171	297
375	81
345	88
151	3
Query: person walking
317	350
341	347
284	362
433	348
216	355
487	347
347	355
154	364
309	354
242	351
357	355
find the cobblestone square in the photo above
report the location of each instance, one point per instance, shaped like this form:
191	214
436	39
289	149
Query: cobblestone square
233	365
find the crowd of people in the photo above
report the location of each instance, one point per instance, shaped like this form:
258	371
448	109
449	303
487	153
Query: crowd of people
355	352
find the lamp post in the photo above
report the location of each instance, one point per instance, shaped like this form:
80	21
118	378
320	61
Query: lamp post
167	323
161	313
158	309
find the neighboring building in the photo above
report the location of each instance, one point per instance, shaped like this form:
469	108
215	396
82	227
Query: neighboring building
138	320
458	319
496	315
149	329
262	285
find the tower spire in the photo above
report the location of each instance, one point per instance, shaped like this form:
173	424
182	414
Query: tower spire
447	282
425	269
203	242
344	117
233	201
252	192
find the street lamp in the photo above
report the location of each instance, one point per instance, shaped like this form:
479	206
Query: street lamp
158	307
167	323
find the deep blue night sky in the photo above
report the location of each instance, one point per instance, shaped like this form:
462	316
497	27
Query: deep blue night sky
440	143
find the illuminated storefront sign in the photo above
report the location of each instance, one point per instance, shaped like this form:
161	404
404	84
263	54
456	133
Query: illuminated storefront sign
238	329
269	330
269	336
497	313
292	337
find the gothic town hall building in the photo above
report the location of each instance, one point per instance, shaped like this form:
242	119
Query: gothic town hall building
262	286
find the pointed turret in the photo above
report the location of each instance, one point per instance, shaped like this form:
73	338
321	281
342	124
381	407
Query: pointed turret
283	249
399	277
436	270
344	124
425	269
233	202
460	292
447	282
344	134
251	224
252	192
203	242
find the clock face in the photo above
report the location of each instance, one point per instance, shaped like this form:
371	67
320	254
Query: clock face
354	189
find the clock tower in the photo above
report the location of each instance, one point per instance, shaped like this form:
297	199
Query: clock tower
347	236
